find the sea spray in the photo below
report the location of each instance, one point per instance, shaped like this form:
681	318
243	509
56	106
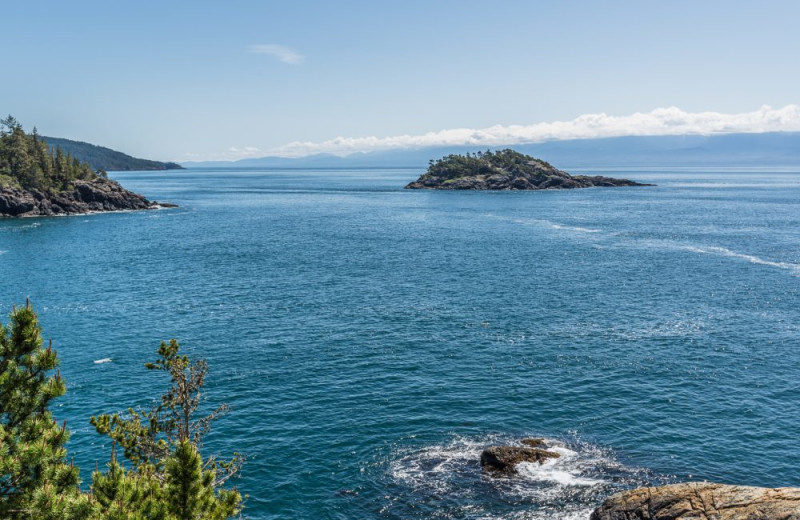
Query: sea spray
446	481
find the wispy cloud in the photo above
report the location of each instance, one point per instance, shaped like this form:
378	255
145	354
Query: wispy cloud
283	53
661	121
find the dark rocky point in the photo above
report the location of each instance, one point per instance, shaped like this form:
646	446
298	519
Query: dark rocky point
98	194
505	170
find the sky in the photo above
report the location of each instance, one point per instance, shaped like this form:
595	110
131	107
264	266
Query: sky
202	80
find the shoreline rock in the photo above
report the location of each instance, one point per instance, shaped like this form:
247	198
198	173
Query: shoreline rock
702	501
98	195
509	182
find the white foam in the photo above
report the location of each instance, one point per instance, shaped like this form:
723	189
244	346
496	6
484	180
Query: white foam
566	488
722	251
575	228
580	514
546	223
562	471
102	361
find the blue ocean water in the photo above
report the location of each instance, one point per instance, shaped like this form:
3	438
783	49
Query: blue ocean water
371	340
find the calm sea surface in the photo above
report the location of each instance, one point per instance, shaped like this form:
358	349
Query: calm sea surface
371	341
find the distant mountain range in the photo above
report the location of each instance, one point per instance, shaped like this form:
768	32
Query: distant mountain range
766	149
101	158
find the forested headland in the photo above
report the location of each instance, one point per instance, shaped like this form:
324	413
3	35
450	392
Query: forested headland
39	180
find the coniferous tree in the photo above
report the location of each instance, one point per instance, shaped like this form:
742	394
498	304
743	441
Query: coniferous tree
168	480
26	162
35	479
162	444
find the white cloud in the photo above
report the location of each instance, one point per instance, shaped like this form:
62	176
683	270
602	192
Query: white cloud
283	53
243	152
661	121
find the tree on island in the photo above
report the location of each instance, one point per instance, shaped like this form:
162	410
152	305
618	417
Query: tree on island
27	163
166	478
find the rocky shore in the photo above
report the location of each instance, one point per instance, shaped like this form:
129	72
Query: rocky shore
556	181
505	170
686	501
86	196
702	501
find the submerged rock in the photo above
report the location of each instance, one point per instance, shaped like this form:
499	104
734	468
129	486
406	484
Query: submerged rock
86	196
505	458
702	501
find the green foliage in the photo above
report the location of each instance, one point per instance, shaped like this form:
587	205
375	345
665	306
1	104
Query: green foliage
122	495
190	486
168	478
162	445
35	479
27	161
7	181
486	163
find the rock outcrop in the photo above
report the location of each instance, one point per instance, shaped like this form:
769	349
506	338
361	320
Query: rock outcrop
534	442
504	459
702	501
86	196
505	170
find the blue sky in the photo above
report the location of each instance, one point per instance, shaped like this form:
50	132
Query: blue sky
205	80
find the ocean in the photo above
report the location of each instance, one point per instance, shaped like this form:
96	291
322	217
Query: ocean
371	341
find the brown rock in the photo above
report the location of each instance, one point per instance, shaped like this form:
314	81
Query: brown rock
702	501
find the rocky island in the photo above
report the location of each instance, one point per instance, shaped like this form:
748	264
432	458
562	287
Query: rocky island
504	170
37	181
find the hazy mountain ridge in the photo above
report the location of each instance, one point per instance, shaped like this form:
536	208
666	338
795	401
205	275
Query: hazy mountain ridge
775	149
102	158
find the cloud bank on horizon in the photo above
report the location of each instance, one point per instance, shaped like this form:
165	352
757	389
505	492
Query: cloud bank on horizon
661	121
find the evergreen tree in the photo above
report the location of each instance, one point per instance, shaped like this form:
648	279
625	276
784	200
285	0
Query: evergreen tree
26	160
123	495
168	480
162	444
35	479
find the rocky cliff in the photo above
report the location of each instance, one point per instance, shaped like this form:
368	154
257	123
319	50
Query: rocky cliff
86	196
